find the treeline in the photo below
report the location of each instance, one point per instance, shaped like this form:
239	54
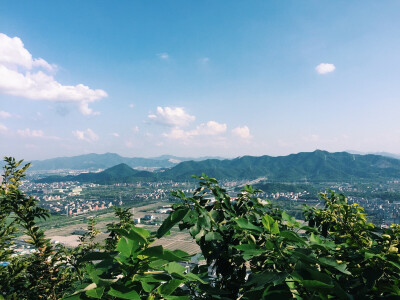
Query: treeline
251	250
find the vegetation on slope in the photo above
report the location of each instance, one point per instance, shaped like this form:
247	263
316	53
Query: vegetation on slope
252	250
317	166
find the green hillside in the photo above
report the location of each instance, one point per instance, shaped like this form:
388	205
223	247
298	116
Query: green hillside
317	166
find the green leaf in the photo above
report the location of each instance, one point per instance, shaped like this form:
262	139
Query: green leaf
249	250
172	219
94	273
291	221
245	224
155	264
333	263
147	286
168	288
275	228
315	239
168	255
270	224
155	251
139	230
174	255
96	293
316	285
124	295
126	246
131	234
292	236
174	267
213	236
194	277
262	278
394	264
154	277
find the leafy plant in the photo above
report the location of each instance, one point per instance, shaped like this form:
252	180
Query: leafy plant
250	249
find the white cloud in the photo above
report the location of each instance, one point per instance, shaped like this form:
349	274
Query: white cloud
163	56
324	68
30	133
3	128
242	132
4	114
135	129
210	128
13	53
131	105
177	134
204	129
115	134
33	133
87	135
18	77
171	116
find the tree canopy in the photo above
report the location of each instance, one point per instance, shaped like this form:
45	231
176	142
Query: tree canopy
250	249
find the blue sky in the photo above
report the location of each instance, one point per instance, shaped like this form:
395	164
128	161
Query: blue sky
197	78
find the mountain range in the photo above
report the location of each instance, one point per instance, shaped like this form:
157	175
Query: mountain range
95	161
317	166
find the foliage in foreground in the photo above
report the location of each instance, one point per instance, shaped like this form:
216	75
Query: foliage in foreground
250	250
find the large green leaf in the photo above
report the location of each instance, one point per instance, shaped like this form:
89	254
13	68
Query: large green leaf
290	221
194	277
316	285
126	246
270	224
292	236
96	293
174	267
250	250
245	224
168	288
213	236
168	255
139	230
333	263
131	234
132	295
172	219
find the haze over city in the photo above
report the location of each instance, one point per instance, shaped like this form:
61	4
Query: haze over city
193	78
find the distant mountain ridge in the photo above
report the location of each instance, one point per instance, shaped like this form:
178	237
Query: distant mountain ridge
387	154
95	161
317	166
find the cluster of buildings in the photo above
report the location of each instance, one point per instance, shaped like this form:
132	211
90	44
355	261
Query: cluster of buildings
382	211
286	195
55	190
80	206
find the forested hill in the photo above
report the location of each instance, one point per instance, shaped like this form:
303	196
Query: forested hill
311	166
317	166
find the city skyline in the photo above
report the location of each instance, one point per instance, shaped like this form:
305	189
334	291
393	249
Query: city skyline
198	78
